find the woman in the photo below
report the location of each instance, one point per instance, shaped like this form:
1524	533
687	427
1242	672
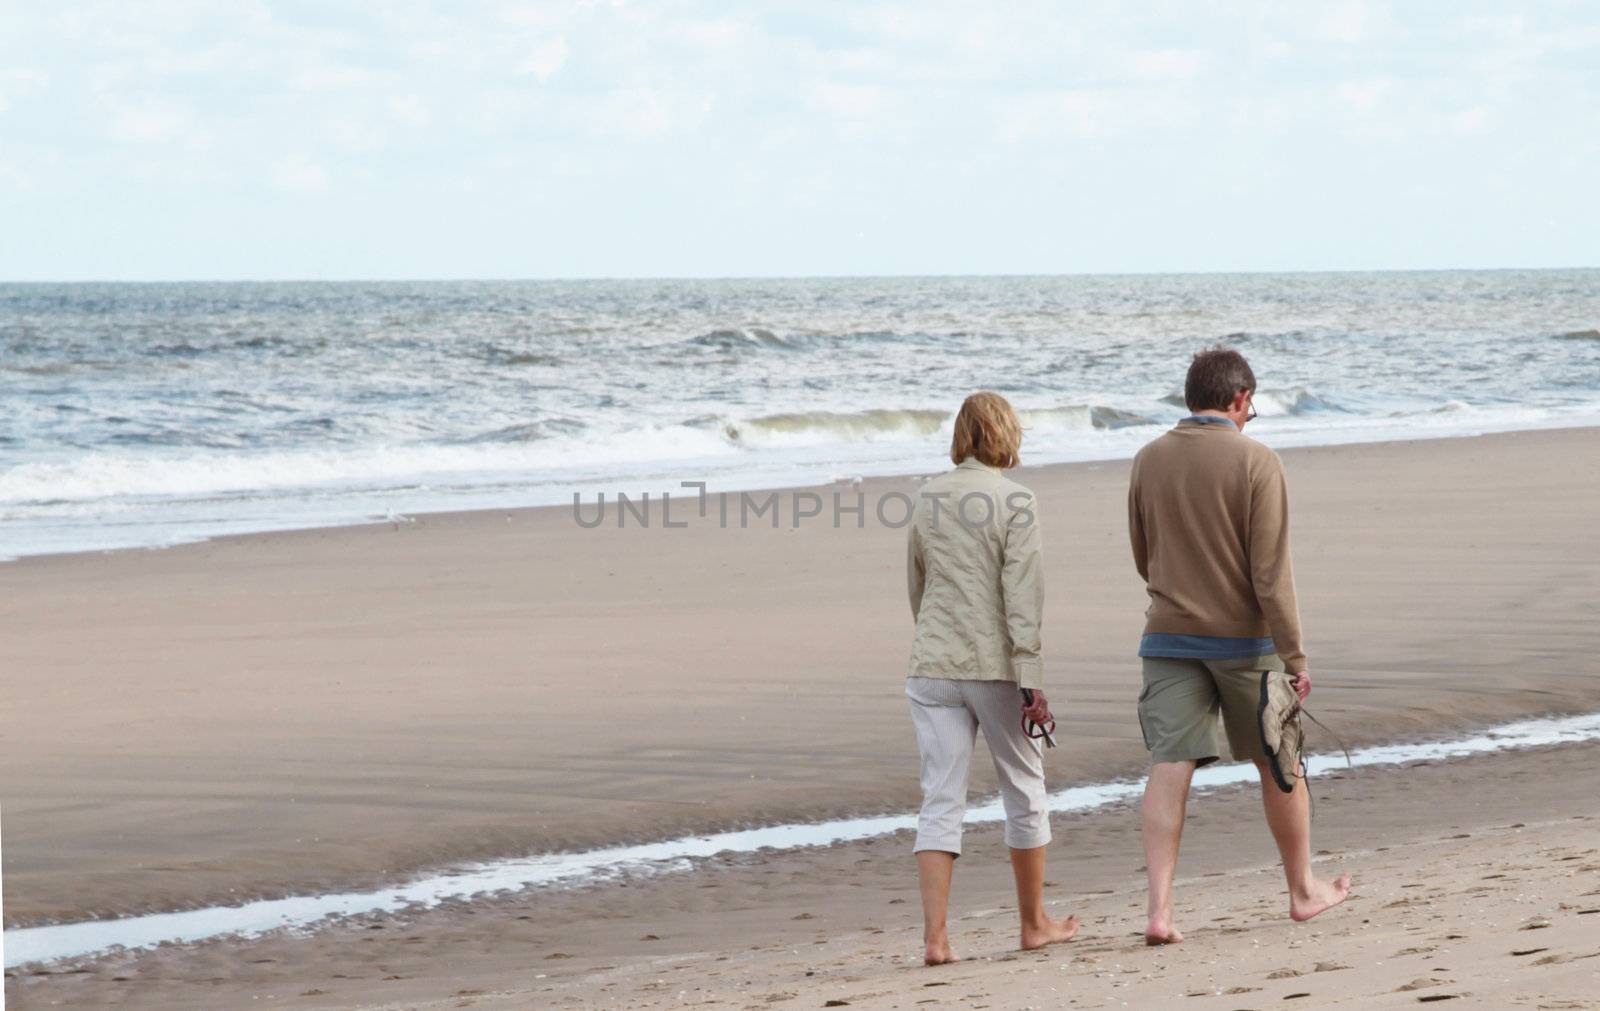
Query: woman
976	593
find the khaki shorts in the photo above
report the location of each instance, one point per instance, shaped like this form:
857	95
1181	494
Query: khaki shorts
1181	699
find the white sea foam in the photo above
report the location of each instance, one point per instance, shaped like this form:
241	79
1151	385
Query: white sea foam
71	940
154	414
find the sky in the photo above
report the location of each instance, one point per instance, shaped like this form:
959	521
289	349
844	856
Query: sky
331	139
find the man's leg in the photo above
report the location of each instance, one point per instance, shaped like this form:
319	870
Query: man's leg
1166	796
1178	717
934	870
1289	817
1288	814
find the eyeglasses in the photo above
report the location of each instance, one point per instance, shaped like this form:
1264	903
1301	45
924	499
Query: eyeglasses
1046	730
1035	731
1252	415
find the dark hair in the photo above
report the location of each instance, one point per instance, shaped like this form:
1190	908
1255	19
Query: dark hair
1216	376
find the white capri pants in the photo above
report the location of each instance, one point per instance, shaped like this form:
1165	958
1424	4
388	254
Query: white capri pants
947	714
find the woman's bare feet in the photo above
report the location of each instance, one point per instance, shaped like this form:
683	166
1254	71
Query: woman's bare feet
1049	931
1323	895
937	952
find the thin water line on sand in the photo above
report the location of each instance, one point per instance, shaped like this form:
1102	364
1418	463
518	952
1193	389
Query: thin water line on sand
71	940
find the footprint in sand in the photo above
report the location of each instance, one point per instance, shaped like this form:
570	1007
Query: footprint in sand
1284	974
1421	983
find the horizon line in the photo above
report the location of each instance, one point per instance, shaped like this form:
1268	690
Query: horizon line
507	279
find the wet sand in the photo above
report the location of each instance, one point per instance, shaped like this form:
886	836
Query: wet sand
1477	880
289	712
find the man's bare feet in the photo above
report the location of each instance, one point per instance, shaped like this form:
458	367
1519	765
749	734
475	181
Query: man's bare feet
1051	931
937	952
1160	931
1324	895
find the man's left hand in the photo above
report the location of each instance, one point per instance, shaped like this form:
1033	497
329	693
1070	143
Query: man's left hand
1302	684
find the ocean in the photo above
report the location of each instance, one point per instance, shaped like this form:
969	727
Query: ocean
153	414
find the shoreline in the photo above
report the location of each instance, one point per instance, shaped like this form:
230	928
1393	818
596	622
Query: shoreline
1571	419
1445	906
330	709
415	897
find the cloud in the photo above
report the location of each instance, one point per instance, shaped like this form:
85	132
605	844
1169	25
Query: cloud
18	81
849	101
1471	121
329	78
546	59
600	106
147	121
1166	64
1083	114
1346	21
410	109
299	174
644	112
1361	97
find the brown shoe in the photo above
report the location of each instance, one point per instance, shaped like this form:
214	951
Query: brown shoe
1281	733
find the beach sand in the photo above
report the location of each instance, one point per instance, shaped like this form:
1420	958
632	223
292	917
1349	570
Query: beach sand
291	712
1477	881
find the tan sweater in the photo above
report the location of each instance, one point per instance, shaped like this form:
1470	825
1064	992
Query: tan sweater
975	575
1208	514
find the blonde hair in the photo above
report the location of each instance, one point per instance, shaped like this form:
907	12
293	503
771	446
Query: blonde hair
987	428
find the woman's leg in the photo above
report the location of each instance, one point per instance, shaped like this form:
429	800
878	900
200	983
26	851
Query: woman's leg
1019	768
934	869
946	731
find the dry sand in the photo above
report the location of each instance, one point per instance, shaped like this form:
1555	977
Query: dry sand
288	712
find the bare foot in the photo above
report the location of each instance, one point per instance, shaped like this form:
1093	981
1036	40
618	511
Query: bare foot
1160	931
937	952
1049	932
1324	895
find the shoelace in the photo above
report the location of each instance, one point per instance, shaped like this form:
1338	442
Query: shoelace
1290	724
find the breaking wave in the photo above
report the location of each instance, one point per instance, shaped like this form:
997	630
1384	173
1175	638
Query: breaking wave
1278	402
827	426
812	427
743	338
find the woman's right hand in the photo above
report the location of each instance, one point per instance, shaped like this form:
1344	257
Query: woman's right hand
1039	710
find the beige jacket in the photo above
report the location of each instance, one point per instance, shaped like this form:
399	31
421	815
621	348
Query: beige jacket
976	578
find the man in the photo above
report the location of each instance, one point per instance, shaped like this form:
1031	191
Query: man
1208	517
